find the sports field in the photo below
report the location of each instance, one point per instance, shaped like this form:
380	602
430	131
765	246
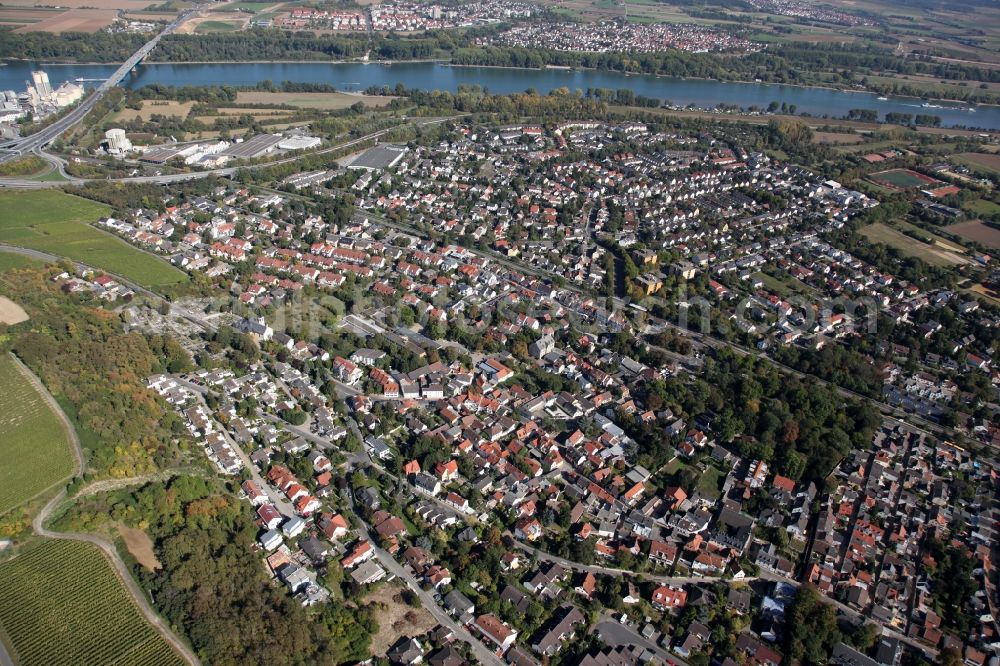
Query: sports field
218	26
62	604
58	223
902	179
33	443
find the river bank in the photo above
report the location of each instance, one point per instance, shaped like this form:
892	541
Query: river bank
435	74
447	62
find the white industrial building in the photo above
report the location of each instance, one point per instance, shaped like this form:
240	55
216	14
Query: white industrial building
117	142
299	143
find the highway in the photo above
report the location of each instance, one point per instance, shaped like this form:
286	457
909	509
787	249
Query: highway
17	147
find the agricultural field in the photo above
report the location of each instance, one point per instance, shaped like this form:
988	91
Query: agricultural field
62	604
978	232
73	20
10	261
22	16
981	207
152	108
140	546
902	179
77	4
837	138
52	221
33	442
984	163
322	101
250	7
933	254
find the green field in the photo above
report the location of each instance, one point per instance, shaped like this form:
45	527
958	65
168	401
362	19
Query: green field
55	222
252	7
217	26
982	207
33	443
784	286
61	603
933	254
10	261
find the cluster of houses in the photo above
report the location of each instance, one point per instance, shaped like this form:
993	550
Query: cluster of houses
527	426
870	547
613	37
86	281
408	16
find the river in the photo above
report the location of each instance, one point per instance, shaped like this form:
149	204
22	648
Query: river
436	76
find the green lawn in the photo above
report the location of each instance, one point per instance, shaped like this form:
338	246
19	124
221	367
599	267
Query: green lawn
33	443
52	176
61	603
708	483
785	286
56	222
674	466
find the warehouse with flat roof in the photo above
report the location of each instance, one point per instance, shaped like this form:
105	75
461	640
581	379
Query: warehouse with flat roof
380	157
254	147
299	142
159	155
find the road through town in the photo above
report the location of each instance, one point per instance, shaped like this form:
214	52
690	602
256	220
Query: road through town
483	655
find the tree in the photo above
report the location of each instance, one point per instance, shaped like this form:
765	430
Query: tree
811	628
950	656
866	636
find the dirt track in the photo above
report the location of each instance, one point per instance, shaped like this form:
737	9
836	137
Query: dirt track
38	524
